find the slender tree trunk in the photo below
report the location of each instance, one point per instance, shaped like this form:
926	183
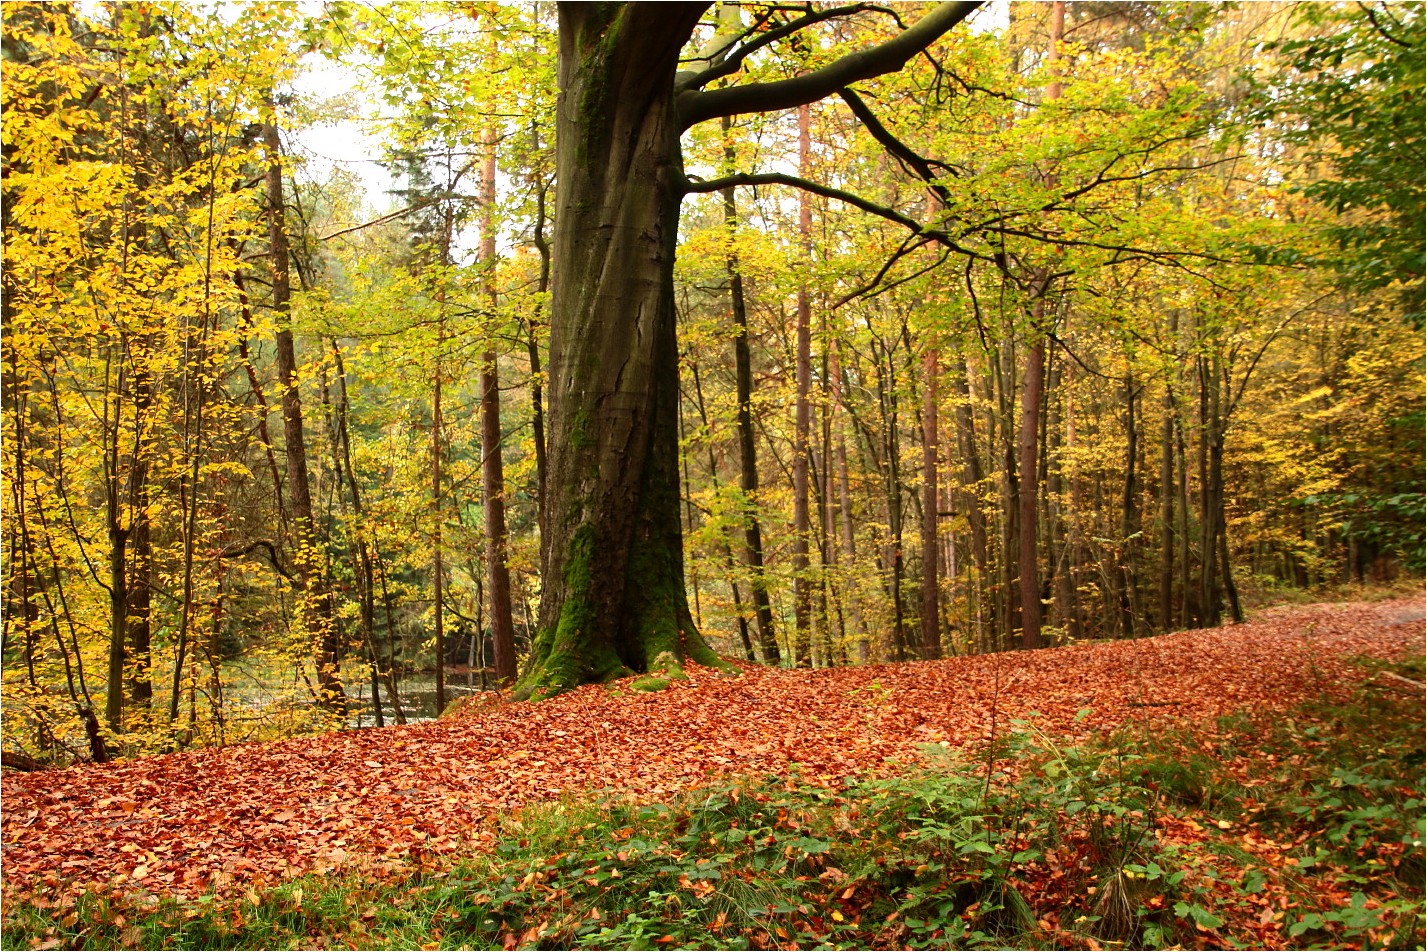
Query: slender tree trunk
1028	496
1129	512
931	589
1231	589
320	618
256	389
971	496
1061	407
747	449
118	534
802	589
118	604
365	572
438	519
492	465
730	564
1002	442
834	617
1032	397
1166	514
1188	593
846	533
141	560
1208	541
892	457
1220	409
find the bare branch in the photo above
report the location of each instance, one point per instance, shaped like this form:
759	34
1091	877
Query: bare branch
876	286
390	216
914	163
827	191
238	550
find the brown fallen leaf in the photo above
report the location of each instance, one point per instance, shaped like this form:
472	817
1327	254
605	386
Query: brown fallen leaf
450	777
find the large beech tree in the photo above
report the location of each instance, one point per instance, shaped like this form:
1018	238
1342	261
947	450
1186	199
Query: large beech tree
614	598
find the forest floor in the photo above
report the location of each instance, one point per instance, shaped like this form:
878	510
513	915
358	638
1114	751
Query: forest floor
239	820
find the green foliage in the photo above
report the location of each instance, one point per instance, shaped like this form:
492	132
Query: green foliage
1357	86
1388	523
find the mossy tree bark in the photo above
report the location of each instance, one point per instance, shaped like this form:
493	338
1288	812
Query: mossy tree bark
614	600
614	584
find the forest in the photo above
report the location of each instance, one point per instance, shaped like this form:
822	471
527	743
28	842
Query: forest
1094	320
634	341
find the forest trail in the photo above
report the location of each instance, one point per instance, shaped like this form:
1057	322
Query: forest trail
228	819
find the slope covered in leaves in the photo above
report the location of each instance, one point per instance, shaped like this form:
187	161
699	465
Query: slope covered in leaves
252	815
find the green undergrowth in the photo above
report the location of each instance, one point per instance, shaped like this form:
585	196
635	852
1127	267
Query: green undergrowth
1298	831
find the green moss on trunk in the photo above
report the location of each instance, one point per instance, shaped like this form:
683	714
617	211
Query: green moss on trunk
571	654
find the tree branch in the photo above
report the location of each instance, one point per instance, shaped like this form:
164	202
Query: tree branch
876	286
918	165
734	61
698	106
390	216
847	198
238	550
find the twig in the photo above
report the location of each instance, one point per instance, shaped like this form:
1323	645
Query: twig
1397	680
991	743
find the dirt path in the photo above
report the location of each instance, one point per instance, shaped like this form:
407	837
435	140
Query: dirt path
249	816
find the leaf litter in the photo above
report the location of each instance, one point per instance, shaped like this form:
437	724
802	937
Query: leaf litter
247	817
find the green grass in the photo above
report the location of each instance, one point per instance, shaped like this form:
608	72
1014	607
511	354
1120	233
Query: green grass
1058	847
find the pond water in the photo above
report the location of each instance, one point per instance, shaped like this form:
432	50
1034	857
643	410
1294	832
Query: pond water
418	699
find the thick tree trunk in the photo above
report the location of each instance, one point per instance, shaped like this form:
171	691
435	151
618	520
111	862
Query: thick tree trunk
532	349
614	598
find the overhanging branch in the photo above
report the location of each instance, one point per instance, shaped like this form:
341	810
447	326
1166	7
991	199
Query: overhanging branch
698	106
237	550
734	61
